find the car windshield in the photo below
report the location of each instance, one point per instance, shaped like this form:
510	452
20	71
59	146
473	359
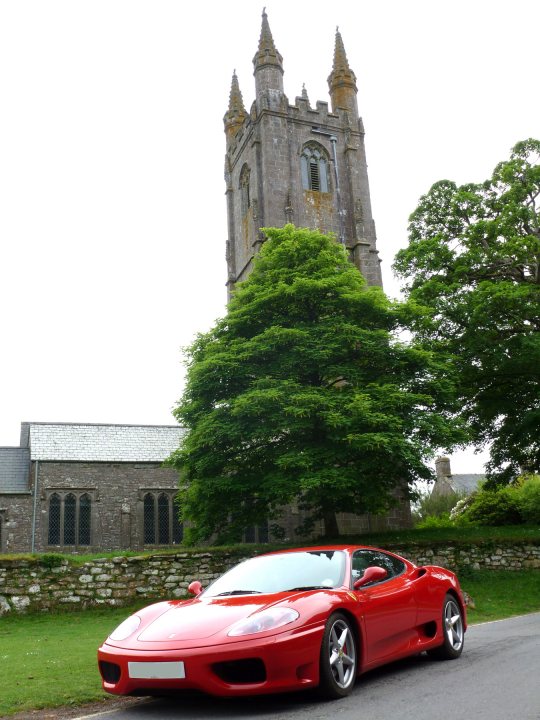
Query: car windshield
276	573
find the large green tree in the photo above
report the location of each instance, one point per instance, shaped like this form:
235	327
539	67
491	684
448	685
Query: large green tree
301	393
473	261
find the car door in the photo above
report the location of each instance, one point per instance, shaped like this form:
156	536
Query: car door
389	607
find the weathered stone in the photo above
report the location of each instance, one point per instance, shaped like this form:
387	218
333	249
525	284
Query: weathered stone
20	602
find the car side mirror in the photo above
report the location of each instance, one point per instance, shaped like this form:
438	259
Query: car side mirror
371	574
195	588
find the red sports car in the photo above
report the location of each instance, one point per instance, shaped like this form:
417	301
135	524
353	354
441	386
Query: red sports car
313	617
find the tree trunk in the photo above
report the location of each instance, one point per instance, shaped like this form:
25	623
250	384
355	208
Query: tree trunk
331	529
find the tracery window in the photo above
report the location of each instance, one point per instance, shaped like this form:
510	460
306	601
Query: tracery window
69	518
161	524
314	168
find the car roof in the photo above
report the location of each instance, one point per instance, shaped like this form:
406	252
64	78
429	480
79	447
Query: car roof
323	548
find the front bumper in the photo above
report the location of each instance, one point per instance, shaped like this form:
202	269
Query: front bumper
289	661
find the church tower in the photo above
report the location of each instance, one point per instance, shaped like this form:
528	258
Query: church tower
297	164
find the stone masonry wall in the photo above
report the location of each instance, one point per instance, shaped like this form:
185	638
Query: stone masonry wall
50	582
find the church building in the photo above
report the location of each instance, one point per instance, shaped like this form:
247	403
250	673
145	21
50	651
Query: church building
75	487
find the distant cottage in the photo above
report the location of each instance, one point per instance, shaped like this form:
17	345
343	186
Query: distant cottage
459	484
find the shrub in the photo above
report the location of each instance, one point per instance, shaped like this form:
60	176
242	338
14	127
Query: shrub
528	498
495	507
435	521
51	560
434	506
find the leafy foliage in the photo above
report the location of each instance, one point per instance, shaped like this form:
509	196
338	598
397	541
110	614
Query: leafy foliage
495	507
504	505
430	507
529	499
473	263
301	393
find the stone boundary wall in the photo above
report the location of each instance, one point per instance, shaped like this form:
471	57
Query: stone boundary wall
48	582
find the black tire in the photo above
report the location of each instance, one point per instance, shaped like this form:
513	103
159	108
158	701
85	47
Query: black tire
453	631
338	662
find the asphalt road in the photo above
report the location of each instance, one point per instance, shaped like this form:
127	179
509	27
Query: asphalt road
496	678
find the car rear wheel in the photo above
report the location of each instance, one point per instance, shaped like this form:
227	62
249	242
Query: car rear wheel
338	658
453	631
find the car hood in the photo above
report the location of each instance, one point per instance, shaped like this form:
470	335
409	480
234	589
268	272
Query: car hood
201	619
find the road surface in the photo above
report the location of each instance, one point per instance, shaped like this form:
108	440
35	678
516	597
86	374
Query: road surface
496	678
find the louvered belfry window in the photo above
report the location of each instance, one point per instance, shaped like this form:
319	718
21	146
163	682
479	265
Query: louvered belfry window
314	168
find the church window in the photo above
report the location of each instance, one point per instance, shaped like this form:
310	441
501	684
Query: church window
161	524
54	519
314	168
149	519
85	506
244	189
256	533
69	519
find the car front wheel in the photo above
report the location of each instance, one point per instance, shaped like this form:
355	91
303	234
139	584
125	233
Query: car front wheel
338	658
453	631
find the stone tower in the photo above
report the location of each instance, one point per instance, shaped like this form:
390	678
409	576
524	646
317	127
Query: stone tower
296	164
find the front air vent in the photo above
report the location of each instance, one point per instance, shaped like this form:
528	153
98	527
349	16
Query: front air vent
110	672
241	672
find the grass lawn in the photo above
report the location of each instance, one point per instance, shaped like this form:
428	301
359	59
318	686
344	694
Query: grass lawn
500	593
50	659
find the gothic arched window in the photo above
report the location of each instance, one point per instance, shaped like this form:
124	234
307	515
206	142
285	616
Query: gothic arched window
54	520
163	519
85	508
244	189
149	519
314	168
161	524
69	518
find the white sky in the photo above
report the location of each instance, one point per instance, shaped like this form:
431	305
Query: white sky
112	207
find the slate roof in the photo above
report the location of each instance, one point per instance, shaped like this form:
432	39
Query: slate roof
77	442
14	470
466	483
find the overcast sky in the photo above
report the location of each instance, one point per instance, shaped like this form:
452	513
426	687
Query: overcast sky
112	207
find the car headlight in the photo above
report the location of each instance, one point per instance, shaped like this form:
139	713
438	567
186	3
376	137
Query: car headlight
265	620
127	628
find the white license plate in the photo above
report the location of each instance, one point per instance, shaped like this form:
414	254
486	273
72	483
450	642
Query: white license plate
156	670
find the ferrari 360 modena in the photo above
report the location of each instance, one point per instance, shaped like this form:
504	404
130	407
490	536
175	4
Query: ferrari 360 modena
305	618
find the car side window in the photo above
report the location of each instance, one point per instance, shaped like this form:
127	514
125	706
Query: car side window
362	559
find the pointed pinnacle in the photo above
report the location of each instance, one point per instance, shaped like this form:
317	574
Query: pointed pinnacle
267	51
341	72
236	112
236	102
340	56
